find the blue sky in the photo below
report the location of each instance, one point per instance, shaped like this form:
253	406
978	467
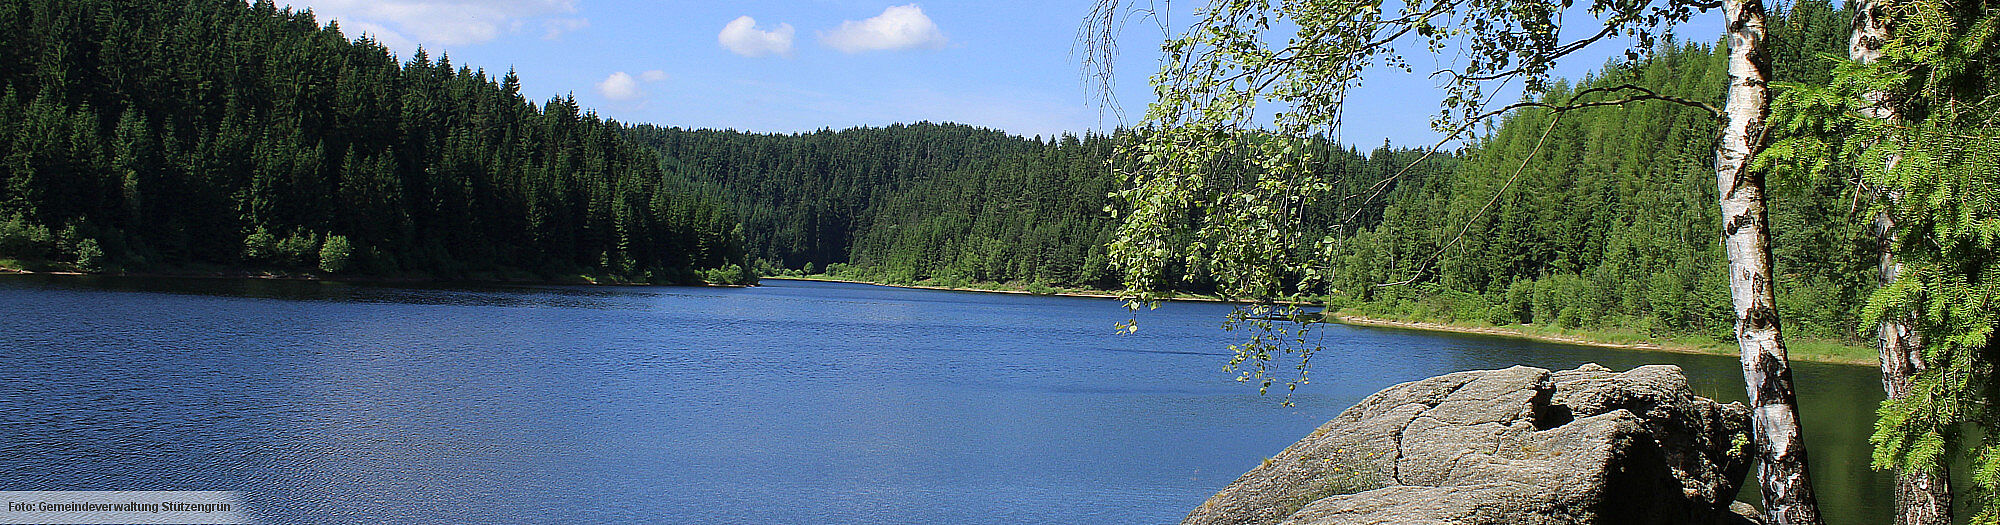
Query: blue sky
804	65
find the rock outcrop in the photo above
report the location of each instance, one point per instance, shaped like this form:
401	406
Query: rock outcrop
1520	445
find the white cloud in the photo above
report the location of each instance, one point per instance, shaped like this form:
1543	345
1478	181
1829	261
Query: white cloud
402	24
620	87
898	27
623	87
742	37
554	28
389	38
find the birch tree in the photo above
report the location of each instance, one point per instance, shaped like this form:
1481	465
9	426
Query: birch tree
1922	497
1219	190
1913	117
1767	375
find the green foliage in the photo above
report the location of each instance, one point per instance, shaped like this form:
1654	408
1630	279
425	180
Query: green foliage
1948	223
1557	216
931	203
1932	173
203	132
730	275
299	249
1034	216
260	246
809	197
20	238
1561	300
1520	301
89	256
1612	220
1343	473
335	254
1212	187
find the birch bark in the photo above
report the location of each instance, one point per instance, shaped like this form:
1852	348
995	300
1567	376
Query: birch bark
1781	468
1922	498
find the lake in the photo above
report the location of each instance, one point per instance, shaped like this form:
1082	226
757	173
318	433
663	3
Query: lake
794	402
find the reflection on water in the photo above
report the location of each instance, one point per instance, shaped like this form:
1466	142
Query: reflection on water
791	403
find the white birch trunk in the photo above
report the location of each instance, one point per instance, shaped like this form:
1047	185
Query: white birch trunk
1781	469
1922	498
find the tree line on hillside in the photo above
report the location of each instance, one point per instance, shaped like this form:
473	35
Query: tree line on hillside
948	204
805	197
1612	221
140	135
1041	218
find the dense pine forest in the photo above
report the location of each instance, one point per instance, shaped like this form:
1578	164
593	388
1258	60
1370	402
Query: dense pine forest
1613	221
804	198
158	136
950	204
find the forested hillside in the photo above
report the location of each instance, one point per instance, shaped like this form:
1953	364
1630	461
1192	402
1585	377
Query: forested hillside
951	204
1041	219
146	135
803	197
1035	217
1613	222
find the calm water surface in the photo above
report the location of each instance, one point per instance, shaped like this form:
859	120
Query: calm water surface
795	402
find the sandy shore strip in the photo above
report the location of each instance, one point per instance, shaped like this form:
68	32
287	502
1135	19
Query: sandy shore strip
1356	320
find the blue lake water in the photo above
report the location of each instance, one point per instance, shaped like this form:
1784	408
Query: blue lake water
794	402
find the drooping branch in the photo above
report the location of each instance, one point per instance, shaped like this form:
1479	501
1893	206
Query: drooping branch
1558	110
1418	274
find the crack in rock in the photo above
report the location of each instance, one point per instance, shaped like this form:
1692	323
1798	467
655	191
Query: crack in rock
1587	446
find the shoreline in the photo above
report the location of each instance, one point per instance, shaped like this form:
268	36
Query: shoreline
1498	331
1425	326
1087	295
938	288
271	276
1340	318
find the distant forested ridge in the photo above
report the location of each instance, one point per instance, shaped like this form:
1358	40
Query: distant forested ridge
950	204
804	197
144	135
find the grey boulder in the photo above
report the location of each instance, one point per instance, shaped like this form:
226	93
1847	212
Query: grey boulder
1520	445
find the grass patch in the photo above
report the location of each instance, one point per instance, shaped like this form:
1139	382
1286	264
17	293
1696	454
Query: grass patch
1831	351
1343	474
8	264
1800	348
